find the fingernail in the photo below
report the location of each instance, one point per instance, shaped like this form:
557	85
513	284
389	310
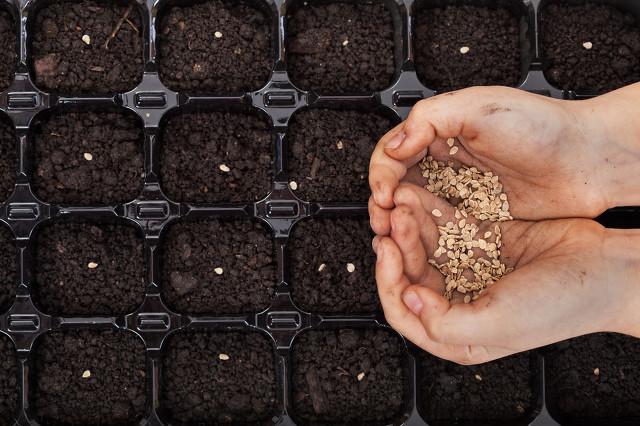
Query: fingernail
413	302
395	141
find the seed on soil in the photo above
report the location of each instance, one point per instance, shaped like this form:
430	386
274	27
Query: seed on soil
92	265
596	371
218	271
346	42
436	213
86	39
86	374
360	376
351	267
217	34
339	145
223	357
293	185
453	150
478	377
587	45
225	168
321	267
87	156
464	50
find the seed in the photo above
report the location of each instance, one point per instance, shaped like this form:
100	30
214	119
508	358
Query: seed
293	185
223	357
225	168
86	374
478	377
87	156
464	50
217	34
436	213
587	45
86	39
450	142
467	298
339	145
596	371
351	267
360	376
453	150
218	270
344	43
321	267
92	265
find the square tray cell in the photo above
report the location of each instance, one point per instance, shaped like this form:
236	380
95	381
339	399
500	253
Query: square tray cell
88	157
340	47
8	276
594	379
330	150
73	50
8	157
215	46
348	377
332	266
218	378
498	392
87	377
9	53
216	156
219	267
592	47
8	382
463	46
88	269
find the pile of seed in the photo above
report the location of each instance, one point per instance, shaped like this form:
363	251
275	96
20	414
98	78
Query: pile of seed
480	195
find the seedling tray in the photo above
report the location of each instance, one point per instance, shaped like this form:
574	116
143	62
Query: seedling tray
157	356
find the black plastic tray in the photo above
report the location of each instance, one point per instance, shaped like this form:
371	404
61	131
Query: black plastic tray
280	209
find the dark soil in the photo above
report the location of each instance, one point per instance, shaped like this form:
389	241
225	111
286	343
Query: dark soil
66	285
8	276
63	62
9	52
195	145
8	157
322	170
320	60
491	34
194	250
112	175
8	382
576	393
200	388
332	288
612	62
113	394
449	392
326	389
193	58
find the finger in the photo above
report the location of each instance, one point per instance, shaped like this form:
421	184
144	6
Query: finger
406	234
379	218
385	174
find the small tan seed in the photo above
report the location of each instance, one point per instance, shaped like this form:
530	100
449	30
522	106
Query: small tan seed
464	50
478	377
321	267
223	357
596	371
453	150
87	156
351	267
86	374
218	271
587	45
92	265
436	213
360	376
86	39
217	34
293	185
345	43
450	142
225	168
467	298
339	145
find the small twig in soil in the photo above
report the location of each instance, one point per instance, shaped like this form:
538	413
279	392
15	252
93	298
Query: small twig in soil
315	390
118	25
132	25
343	372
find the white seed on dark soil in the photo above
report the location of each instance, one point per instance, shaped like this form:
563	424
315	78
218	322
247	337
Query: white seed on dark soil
218	270
478	377
321	267
223	357
92	265
596	371
87	156
351	267
293	185
464	50
587	45
86	374
345	43
225	168
339	145
86	39
360	376
217	34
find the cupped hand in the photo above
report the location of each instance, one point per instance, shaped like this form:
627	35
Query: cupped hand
552	156
571	277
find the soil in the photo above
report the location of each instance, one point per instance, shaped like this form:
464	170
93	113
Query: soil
330	152
215	46
612	62
8	276
67	285
199	387
449	392
9	54
63	62
491	34
340	47
326	367
112	174
195	146
332	288
576	393
8	382
192	253
114	392
8	157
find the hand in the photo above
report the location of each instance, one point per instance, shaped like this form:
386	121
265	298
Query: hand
571	277
554	158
